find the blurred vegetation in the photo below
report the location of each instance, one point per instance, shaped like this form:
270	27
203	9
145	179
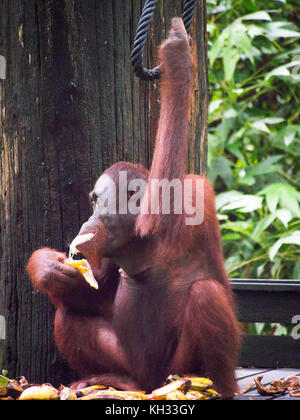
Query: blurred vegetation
254	133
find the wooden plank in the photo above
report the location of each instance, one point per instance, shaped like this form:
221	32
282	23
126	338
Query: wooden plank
261	300
269	352
245	382
268	285
245	373
251	397
275	374
268	377
268	301
267	306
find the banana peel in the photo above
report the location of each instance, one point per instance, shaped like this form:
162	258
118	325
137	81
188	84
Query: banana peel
10	388
209	394
88	390
67	394
85	269
200	388
176	388
181	384
104	395
197	383
3	391
196	395
41	392
134	395
263	390
176	396
200	384
82	265
14	389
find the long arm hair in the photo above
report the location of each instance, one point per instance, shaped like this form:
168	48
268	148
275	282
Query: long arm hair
172	135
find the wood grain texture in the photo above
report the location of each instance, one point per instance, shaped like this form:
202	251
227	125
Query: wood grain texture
69	108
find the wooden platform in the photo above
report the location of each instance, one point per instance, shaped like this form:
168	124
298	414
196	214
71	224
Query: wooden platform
246	377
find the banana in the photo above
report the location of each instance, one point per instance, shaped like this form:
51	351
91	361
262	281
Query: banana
85	269
200	384
197	383
196	395
42	392
176	395
88	390
67	394
182	384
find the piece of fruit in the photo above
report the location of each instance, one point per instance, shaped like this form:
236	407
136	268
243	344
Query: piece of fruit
85	269
182	385
88	390
42	392
67	394
176	395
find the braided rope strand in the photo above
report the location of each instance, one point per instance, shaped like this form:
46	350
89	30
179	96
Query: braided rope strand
187	14
136	57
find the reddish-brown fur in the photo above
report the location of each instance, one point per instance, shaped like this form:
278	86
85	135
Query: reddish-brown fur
171	140
171	309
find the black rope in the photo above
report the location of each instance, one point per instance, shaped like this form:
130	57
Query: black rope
187	14
140	39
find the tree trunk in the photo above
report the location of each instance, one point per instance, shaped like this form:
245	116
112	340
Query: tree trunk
70	107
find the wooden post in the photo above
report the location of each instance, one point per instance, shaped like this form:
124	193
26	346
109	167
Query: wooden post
70	107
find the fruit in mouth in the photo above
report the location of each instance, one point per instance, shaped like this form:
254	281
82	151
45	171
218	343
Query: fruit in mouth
83	265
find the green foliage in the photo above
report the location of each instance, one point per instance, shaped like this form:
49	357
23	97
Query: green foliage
254	133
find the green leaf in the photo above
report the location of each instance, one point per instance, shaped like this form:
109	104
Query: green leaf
279	329
254	30
284	216
245	204
261	126
260	270
230	59
257	16
217	47
227	197
246	180
252	330
232	236
290	201
235	150
275	266
239	38
283	194
221	167
4	381
214	105
272	193
273	120
259	327
238	226
296	271
288	134
293	239
265	167
262	225
281	71
232	262
276	30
